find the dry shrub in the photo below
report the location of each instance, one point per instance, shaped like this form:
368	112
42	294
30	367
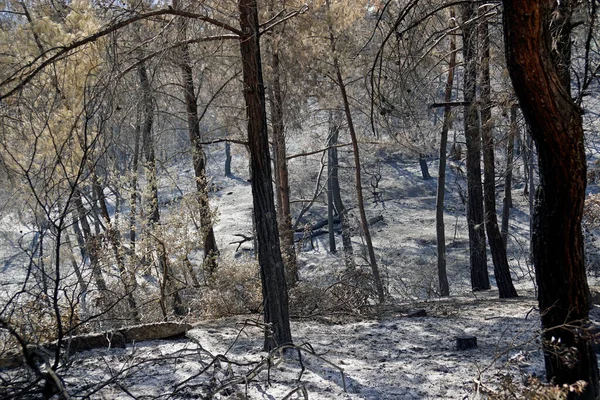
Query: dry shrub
236	289
350	294
534	389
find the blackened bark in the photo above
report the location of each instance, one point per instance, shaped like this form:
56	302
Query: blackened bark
330	206
228	160
506	288
134	193
274	286
510	154
477	251
209	241
424	167
441	184
558	256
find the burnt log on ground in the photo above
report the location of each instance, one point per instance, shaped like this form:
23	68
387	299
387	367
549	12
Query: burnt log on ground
107	339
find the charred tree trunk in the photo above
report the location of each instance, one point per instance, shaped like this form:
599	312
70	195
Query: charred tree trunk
336	195
228	173
441	184
556	126
152	178
506	288
475	216
510	155
211	251
282	190
330	206
274	286
424	167
358	180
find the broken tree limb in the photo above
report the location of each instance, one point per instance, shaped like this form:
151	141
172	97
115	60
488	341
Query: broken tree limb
107	339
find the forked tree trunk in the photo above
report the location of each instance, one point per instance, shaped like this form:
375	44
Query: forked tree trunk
477	250
510	155
357	165
209	242
506	288
441	184
274	286
558	256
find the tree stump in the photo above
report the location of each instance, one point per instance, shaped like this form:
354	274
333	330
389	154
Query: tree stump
466	342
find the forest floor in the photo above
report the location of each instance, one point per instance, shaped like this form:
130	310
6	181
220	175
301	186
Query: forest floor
404	350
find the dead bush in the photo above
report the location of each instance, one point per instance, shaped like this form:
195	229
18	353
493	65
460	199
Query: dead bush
236	289
533	389
350	294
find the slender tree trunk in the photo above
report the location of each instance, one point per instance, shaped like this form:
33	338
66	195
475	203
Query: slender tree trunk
556	126
475	216
211	251
228	173
506	288
441	184
359	193
274	286
89	247
152	178
510	155
282	191
113	234
336	195
134	194
330	206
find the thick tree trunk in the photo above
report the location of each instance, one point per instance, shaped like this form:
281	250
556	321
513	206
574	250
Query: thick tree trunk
441	184
282	190
475	216
556	126
274	287
510	155
336	195
506	288
357	167
169	284
209	242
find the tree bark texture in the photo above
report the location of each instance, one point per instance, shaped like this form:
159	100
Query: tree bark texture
209	242
475	216
441	183
274	287
506	288
558	256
